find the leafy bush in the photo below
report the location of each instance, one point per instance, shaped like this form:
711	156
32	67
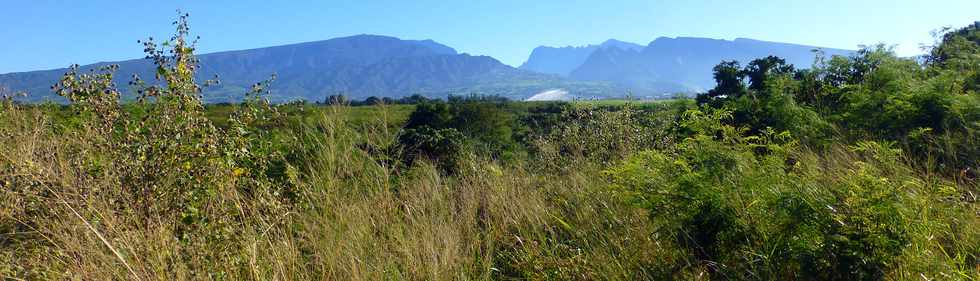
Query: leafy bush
158	164
768	100
929	108
488	122
444	147
584	135
759	207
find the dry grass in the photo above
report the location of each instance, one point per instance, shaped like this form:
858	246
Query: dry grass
358	219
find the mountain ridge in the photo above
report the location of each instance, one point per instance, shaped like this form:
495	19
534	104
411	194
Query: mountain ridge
562	60
683	64
359	66
365	65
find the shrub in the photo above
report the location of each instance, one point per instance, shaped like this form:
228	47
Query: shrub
759	207
155	168
488	122
443	147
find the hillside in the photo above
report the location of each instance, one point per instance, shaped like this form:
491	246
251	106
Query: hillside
564	60
666	65
358	66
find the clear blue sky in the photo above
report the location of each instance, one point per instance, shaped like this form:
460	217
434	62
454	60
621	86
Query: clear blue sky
44	34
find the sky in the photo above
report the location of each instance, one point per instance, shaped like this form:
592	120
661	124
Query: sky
46	34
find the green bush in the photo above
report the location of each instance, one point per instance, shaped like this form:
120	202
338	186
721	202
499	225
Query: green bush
443	147
928	107
488	122
760	207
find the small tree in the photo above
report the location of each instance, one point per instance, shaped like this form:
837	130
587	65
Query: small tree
336	99
373	100
729	83
759	70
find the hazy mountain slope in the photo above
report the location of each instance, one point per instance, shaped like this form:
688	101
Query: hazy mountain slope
621	44
684	64
562	61
429	74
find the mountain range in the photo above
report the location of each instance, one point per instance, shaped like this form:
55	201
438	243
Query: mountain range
357	66
371	65
562	61
666	65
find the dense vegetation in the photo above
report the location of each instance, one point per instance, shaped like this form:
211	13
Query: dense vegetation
858	168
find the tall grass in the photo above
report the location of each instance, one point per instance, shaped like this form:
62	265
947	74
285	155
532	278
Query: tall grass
356	218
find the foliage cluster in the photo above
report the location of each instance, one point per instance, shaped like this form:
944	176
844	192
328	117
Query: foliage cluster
930	107
760	207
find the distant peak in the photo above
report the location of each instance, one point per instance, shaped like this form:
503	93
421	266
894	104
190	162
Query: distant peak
369	36
621	45
691	38
614	42
757	41
567	47
742	39
430	44
436	47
